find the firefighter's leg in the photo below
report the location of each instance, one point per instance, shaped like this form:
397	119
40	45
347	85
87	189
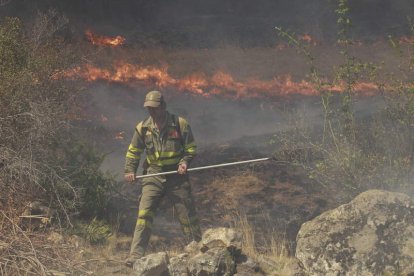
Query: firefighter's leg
180	194
150	199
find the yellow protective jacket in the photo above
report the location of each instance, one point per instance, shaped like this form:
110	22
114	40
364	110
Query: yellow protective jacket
165	149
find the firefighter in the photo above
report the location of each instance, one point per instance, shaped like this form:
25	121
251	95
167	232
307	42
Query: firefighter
169	145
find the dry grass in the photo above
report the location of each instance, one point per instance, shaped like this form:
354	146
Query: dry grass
233	188
32	253
24	252
272	254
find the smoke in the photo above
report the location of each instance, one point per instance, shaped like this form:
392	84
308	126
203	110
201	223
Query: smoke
205	36
213	120
214	23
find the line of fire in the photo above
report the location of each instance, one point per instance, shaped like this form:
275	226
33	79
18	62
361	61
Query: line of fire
220	83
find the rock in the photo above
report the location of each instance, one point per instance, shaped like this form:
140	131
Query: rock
267	265
216	261
371	235
152	265
295	268
249	267
178	265
272	265
192	248
213	255
221	237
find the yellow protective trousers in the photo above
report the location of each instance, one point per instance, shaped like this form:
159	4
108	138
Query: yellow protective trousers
177	189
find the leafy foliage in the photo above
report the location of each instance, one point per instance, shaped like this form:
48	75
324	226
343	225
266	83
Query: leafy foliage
95	232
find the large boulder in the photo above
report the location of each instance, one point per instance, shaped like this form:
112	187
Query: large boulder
178	265
221	237
371	235
214	255
152	265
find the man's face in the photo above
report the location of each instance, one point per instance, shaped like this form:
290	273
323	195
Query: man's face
157	113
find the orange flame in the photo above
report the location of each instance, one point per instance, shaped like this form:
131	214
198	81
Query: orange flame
406	40
281	46
104	41
104	119
120	135
307	38
220	83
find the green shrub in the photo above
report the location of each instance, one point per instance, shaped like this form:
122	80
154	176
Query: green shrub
95	232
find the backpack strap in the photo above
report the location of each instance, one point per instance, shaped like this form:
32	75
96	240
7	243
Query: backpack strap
142	130
179	123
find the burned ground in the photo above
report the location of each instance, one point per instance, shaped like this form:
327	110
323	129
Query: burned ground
274	196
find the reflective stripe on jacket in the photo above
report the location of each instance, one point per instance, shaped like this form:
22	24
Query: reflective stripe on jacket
173	145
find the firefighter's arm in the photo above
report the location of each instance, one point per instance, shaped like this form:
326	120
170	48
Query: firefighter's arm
189	145
133	154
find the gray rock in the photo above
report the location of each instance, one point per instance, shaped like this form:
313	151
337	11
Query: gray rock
371	235
296	268
267	265
221	237
192	248
248	268
152	265
178	265
279	266
216	261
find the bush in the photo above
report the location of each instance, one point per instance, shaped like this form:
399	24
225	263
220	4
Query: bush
95	232
355	153
41	155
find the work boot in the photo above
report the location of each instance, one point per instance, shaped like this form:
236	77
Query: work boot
129	262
